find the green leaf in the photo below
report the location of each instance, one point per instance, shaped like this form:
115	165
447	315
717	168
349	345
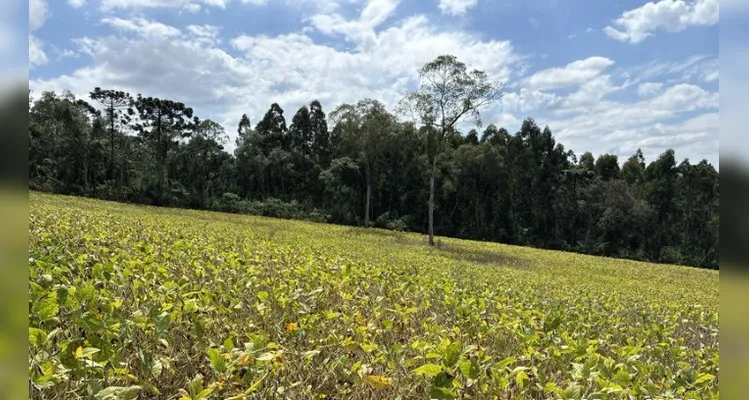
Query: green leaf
190	306
228	344
428	370
522	379
444	379
37	337
470	369
451	355
505	363
441	393
195	386
262	295
704	378
119	393
203	394
217	360
199	329
89	351
46	308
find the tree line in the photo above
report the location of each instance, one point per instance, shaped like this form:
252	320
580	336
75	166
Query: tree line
363	165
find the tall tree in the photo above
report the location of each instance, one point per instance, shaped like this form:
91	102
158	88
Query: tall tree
607	167
115	103
300	131
272	129
160	122
633	170
365	127
243	129
448	95
321	144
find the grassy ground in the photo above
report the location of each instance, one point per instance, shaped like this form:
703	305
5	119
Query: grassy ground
128	301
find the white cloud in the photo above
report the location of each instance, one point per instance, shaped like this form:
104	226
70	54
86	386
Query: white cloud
190	5
712	76
142	26
290	69
590	30
76	3
528	100
652	124
192	8
37	18
209	34
456	7
589	95
374	13
649	89
695	138
695	69
685	97
37	14
638	24
36	53
572	74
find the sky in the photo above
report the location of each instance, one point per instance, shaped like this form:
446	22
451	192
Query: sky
605	76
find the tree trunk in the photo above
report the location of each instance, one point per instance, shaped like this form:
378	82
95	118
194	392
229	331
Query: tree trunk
110	174
85	169
431	202
367	202
161	160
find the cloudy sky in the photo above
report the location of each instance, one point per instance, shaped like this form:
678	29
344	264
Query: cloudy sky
606	76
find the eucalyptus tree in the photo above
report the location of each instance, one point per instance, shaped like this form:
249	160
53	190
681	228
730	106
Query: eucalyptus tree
448	95
365	128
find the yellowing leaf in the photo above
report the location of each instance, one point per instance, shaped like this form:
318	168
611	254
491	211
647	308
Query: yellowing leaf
245	359
291	327
378	382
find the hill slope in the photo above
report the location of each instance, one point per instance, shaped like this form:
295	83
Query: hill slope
151	299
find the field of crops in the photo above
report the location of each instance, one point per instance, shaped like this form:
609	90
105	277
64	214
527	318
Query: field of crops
133	302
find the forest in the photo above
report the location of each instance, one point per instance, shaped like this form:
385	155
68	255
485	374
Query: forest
363	165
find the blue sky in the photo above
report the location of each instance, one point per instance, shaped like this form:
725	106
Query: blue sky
606	76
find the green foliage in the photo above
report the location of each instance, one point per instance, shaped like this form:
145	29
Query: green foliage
133	302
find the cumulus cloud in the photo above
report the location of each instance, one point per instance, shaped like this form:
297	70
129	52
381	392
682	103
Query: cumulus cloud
77	3
256	70
109	5
142	27
37	14
374	13
36	54
572	74
649	89
529	100
652	124
456	7
638	24
37	17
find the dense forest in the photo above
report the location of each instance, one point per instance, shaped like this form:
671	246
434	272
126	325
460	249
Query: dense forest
364	165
